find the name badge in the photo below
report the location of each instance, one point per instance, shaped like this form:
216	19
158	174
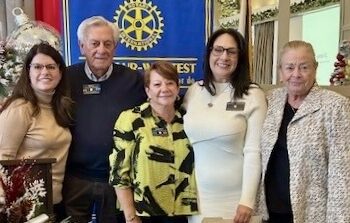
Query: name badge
158	131
235	106
91	89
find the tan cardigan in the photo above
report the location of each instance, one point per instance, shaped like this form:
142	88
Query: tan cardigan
25	136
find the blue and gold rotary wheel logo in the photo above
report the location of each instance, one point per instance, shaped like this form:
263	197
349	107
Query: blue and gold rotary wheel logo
140	24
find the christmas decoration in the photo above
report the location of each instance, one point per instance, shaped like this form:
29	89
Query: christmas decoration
30	33
10	69
18	43
21	194
229	7
341	73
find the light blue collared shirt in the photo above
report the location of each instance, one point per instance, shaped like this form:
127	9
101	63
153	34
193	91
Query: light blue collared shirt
93	77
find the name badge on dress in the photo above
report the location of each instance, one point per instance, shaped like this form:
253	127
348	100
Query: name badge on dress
91	89
235	106
159	131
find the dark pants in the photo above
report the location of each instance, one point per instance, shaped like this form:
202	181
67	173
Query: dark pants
59	212
82	198
280	218
164	219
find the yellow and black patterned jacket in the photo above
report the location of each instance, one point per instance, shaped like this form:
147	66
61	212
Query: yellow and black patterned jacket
156	161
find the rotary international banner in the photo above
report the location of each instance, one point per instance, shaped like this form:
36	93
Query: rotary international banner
175	31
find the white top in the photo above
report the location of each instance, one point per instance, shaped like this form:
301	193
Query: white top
226	147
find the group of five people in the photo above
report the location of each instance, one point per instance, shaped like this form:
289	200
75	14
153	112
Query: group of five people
225	151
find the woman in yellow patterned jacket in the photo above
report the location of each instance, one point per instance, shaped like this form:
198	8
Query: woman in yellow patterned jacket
152	162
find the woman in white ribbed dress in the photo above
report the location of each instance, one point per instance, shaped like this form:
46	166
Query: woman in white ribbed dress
224	116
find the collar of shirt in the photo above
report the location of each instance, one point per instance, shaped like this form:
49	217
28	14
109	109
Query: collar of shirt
146	111
92	77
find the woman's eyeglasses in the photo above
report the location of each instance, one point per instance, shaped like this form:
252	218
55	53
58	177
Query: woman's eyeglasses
219	50
40	67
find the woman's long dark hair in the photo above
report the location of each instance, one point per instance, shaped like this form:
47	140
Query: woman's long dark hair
61	102
240	78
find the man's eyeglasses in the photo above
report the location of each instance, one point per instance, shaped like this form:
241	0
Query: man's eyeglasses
40	67
219	50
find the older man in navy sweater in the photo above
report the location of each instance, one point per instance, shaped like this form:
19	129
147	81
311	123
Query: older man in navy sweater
100	90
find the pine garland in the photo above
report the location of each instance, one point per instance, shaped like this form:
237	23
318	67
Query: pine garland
229	8
10	69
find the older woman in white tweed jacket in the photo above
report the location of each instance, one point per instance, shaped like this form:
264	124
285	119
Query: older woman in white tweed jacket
305	146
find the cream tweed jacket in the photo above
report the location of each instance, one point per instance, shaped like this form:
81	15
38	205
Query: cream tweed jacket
318	142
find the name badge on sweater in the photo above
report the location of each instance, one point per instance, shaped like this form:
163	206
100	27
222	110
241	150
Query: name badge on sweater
159	131
235	106
91	89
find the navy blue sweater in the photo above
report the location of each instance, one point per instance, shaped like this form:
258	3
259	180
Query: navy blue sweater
95	116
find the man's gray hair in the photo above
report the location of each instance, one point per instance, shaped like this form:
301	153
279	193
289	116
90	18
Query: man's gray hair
96	21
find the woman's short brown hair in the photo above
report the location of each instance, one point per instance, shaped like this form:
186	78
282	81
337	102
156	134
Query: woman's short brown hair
164	69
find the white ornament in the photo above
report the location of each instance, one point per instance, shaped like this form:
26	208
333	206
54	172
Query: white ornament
29	33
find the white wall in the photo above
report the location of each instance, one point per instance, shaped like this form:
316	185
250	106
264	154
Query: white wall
321	29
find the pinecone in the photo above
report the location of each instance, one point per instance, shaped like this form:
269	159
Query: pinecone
19	212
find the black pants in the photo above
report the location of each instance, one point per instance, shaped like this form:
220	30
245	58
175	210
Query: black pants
83	197
59	212
164	219
280	218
